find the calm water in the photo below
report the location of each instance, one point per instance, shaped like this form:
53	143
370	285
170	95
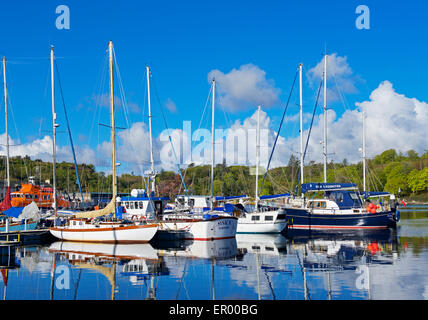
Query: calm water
376	265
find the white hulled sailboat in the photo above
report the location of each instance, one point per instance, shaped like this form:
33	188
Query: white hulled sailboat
84	227
264	219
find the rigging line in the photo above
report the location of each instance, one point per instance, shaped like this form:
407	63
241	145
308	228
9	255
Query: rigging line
121	90
123	99
240	168
69	130
310	130
97	99
342	97
10	108
200	123
279	130
169	135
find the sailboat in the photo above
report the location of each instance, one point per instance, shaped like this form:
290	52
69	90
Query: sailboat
205	225
341	207
9	220
264	219
142	205
88	226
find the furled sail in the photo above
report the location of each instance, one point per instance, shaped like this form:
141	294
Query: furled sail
110	208
30	211
6	203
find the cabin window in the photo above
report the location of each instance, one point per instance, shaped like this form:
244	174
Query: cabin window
280	216
268	218
136	205
323	204
36	196
44	197
141	204
131	205
255	218
191	202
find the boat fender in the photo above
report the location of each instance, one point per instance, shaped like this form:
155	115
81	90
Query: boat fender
397	216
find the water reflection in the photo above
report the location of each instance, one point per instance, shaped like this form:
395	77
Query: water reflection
388	264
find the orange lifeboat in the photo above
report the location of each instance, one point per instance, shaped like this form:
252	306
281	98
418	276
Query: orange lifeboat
42	196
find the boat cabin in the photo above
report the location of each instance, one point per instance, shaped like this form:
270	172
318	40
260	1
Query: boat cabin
140	205
42	196
338	198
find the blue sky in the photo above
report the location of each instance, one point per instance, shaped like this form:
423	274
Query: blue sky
183	41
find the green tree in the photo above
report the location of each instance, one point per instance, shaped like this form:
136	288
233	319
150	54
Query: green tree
386	157
412	155
418	180
396	177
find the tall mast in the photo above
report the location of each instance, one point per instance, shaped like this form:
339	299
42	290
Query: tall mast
152	162
325	119
113	135
301	124
7	131
212	148
257	159
364	150
54	125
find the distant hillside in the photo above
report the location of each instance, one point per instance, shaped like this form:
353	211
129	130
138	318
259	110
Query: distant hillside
389	171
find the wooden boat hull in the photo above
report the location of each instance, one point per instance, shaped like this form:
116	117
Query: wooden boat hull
221	227
115	234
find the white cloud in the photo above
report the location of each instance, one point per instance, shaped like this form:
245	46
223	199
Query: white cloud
244	88
393	121
42	149
340	77
171	106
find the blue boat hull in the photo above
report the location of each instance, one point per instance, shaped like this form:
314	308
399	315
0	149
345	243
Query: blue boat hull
19	226
302	219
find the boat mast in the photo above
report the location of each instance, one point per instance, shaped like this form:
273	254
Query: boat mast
325	119
54	125
152	162
113	136
257	159
6	122
301	123
212	148
364	150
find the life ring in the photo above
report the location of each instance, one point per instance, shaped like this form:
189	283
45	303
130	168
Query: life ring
142	218
134	218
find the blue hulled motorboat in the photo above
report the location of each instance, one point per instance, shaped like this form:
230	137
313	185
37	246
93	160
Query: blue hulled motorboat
341	208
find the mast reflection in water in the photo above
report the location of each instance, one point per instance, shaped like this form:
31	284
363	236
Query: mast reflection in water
388	264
